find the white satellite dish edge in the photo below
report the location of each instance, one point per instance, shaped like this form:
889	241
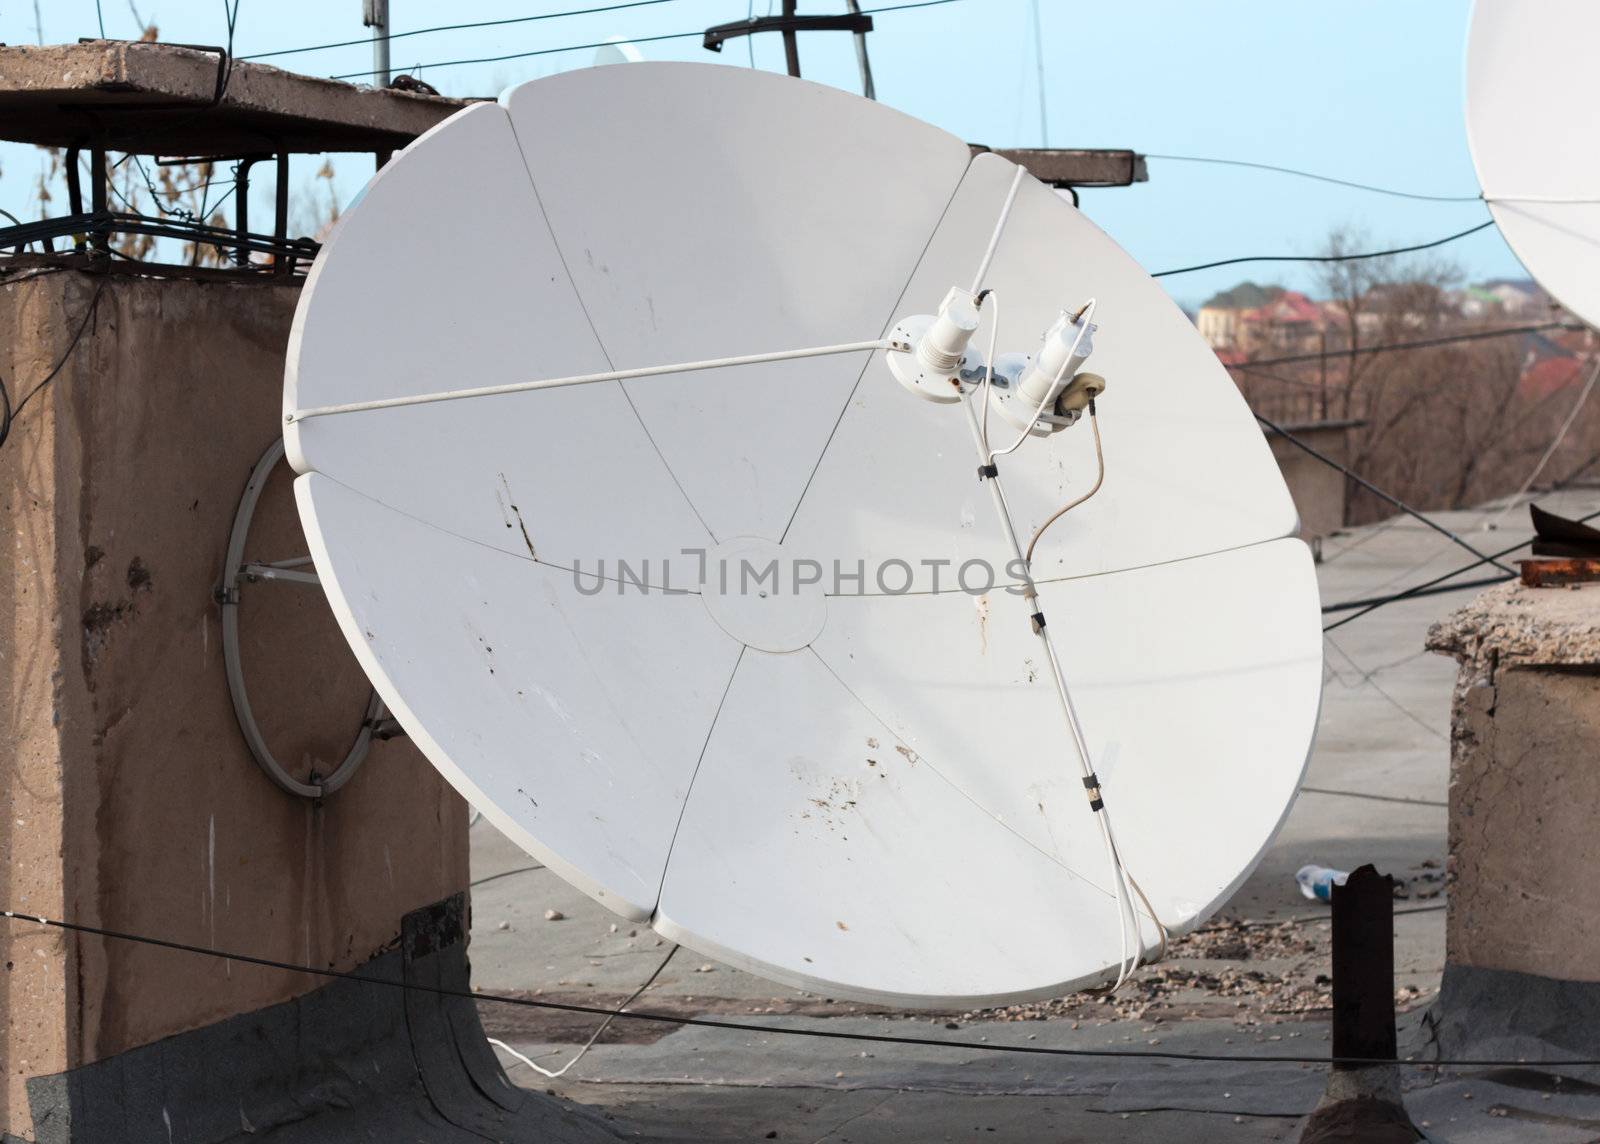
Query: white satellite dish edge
1527	74
866	963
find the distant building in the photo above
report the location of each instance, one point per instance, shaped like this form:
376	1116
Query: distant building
1553	361
1218	319
1289	323
1517	295
1477	302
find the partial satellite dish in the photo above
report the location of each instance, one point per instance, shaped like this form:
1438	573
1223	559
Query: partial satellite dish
617	50
735	649
1529	76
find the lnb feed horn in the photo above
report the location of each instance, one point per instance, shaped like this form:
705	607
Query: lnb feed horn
1037	393
931	354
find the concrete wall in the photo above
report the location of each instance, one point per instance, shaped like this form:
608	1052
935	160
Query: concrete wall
129	800
1525	782
1318	488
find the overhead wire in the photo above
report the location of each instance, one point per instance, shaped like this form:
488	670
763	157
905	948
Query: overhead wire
653	1017
1423	588
391	36
1481	196
1399	194
1327	258
1550	451
695	34
1419	344
1376	491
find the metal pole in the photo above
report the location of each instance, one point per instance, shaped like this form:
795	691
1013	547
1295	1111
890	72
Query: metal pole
1362	1100
99	239
1363	967
867	88
1038	59
241	216
375	15
791	42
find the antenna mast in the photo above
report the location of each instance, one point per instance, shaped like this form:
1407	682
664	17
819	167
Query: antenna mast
791	24
375	15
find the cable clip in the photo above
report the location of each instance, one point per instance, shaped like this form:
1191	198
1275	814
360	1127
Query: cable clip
1038	622
988	472
1091	783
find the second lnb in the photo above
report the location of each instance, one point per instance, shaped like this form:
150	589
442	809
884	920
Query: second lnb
1046	392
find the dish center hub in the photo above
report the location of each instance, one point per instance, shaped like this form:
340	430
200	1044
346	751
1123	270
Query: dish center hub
762	596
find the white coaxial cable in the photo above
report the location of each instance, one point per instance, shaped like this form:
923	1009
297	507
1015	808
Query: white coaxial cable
604	1025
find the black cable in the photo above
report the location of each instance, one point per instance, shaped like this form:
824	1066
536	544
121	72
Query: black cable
11	414
503	874
526	55
1376	491
1319	178
454	28
1422	344
1422	588
774	1030
1319	257
632	40
100	16
1350	605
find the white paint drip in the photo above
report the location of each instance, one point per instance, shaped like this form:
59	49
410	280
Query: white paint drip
211	875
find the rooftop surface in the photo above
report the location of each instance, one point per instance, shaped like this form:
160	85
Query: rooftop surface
1374	792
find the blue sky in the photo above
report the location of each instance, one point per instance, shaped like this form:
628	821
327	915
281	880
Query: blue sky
1368	90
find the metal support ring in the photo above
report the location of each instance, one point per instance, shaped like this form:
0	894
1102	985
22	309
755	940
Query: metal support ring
233	574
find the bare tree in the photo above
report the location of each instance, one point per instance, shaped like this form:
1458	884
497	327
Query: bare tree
1441	427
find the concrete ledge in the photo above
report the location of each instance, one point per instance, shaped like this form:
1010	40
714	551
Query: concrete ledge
157	99
1513	625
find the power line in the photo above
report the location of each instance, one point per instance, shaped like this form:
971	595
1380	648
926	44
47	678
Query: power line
1425	588
1350	605
1318	178
453	28
1374	797
1320	257
527	55
771	1030
699	32
1376	491
1421	344
1550	451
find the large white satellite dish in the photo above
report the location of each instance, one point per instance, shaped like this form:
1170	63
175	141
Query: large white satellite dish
861	784
1530	74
